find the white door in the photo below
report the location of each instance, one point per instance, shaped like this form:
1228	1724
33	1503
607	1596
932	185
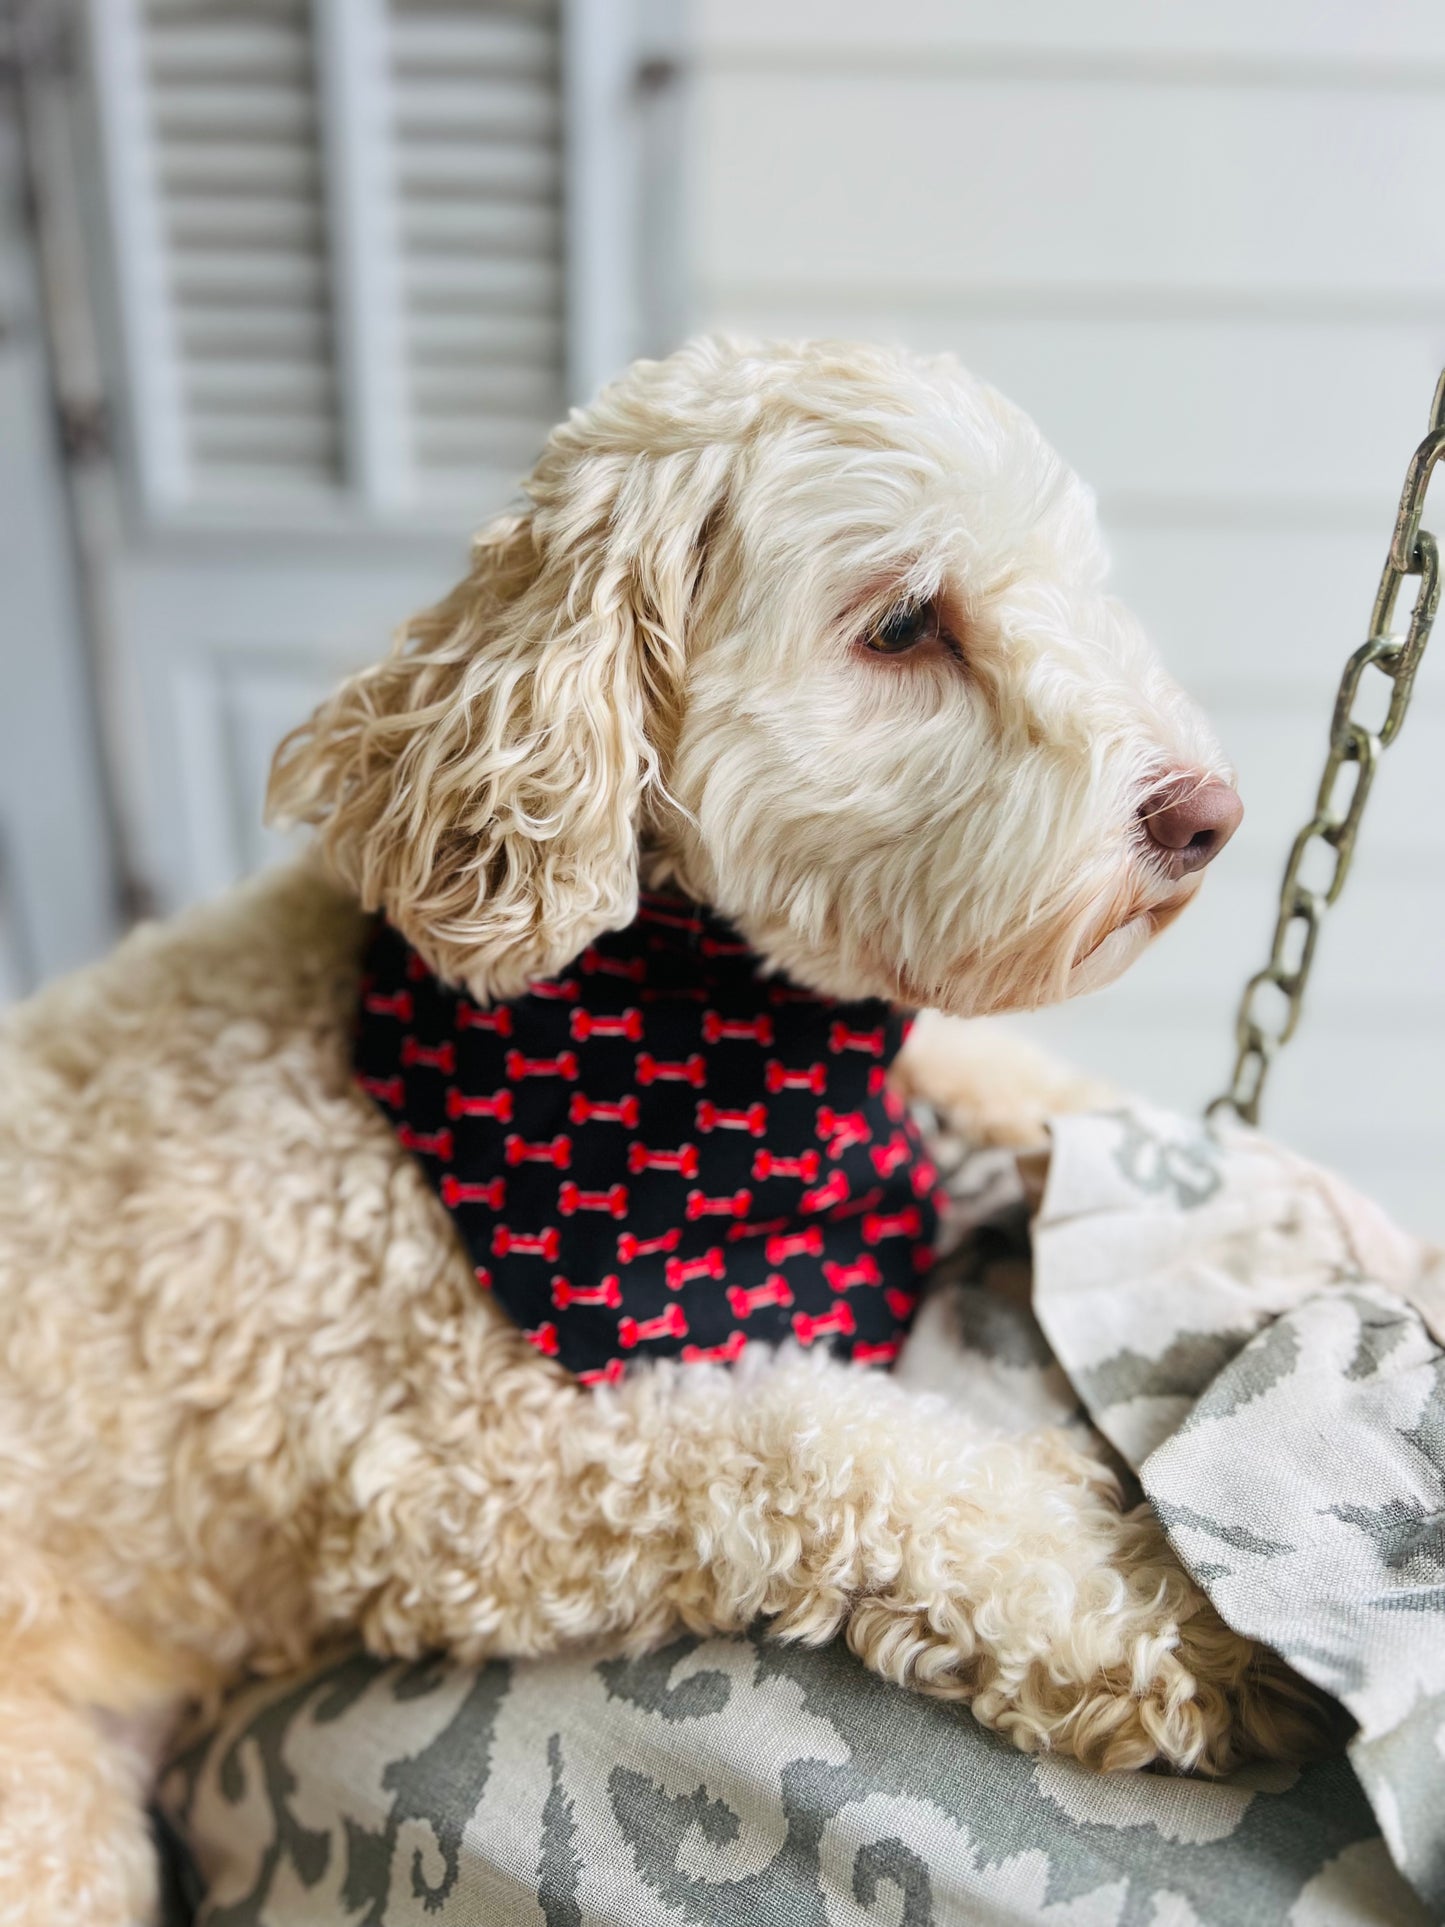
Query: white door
357	256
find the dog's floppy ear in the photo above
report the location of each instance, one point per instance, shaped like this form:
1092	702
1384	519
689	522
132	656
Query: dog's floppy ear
485	784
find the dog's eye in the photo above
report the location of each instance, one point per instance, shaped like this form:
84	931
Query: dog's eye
903	628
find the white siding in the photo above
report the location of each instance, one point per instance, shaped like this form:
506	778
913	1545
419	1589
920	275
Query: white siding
1192	240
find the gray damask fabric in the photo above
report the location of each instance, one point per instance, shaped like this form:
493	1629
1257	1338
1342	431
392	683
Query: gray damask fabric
1252	1338
730	1783
1268	1352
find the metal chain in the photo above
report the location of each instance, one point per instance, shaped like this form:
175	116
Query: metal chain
1335	823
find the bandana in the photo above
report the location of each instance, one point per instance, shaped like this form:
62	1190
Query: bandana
664	1152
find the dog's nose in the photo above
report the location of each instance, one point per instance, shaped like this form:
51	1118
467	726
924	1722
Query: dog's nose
1189	821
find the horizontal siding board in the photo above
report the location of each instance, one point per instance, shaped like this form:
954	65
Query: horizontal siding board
1293	33
985	183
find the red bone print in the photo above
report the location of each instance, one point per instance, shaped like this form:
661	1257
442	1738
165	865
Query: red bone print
737	1231
800	1244
893	1105
842	1128
634	969
834	1191
881	1354
737	1206
544	1338
670	1323
626	1111
556	1151
570	1199
386	1090
482	1276
837	1322
806	1167
608	1374
455	1192
745	1303
566	990
398	1005
684	1159
923	1177
691	1070
416	968
499	1020
900	1303
778	1077
887	1157
877	1078
629	1247
628	1025
682	1271
437	1144
563	1065
858	1205
540	1244
896	1224
753	1119
713	947
608	1293
757	1030
436	1057
841	1038
649	914
863	1272
498	1105
727	1353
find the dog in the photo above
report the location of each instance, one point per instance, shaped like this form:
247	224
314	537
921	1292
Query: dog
815	636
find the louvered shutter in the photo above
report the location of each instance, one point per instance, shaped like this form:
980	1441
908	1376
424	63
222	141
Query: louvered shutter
339	246
477	145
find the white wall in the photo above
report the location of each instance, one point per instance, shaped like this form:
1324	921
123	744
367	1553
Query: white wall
1200	242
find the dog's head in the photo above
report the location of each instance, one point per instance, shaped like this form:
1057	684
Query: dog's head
819	632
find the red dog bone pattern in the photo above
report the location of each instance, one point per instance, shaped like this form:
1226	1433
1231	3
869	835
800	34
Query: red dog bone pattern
768	1165
670	1323
728	1353
882	1353
824	1197
688	1070
564	1064
796	1244
777	1077
492	1192
737	1206
556	1151
682	1271
840	1038
431	1144
436	1057
663	1135
628	1025
498	1021
613	1200
753	1120
527	1244
894	1224
641	1158
772	1291
565	990
835	1323
862	1271
842	1129
498	1105
608	1293
753	1030
583	1110
630	1248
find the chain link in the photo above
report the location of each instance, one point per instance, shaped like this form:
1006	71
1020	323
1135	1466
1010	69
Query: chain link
1328	839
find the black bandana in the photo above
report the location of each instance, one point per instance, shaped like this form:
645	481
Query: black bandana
664	1151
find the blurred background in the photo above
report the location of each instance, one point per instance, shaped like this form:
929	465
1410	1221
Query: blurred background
291	289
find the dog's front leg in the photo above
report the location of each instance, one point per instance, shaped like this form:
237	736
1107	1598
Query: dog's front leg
823	1500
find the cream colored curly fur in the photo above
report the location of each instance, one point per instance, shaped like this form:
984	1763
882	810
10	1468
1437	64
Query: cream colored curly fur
250	1399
